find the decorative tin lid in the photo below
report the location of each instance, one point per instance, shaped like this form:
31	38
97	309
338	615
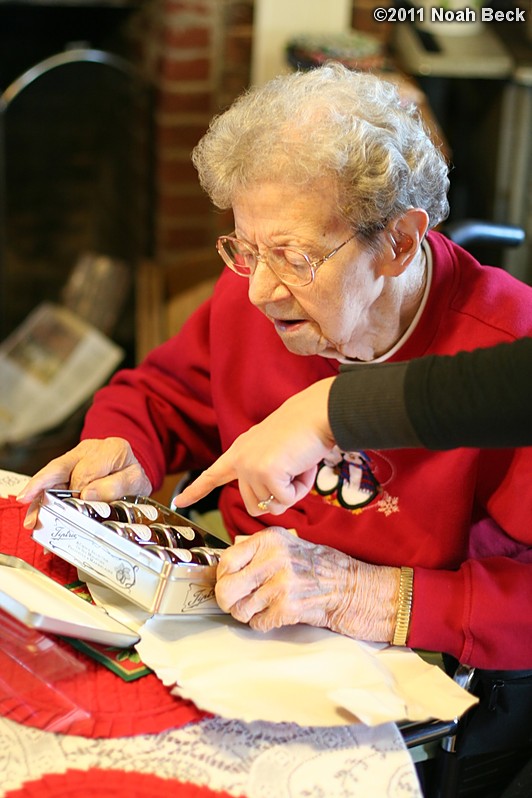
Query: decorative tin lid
40	603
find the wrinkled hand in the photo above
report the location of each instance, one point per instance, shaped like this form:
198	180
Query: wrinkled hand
101	469
277	457
274	579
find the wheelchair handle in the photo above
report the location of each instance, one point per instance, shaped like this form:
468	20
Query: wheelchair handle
473	231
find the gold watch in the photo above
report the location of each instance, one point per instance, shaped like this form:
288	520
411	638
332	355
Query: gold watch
406	591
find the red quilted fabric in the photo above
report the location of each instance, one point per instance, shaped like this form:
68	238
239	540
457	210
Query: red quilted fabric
110	784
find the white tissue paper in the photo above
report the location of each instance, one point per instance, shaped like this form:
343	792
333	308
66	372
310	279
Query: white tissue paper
299	674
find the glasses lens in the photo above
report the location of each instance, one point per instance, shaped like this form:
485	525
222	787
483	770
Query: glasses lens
291	265
237	255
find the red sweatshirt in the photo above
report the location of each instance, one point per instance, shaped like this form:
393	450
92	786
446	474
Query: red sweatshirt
461	518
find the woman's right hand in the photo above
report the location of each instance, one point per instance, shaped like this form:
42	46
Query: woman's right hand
100	469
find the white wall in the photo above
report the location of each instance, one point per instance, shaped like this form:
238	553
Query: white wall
277	21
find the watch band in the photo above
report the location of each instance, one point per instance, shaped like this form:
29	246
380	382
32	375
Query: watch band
406	591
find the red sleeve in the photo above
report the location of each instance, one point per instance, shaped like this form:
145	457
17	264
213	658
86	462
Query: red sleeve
481	613
163	407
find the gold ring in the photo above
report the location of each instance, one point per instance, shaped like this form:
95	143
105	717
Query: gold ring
263	505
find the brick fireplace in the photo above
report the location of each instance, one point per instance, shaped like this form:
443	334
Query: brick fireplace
197	55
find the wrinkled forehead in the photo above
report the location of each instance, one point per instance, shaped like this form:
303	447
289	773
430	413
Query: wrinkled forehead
281	207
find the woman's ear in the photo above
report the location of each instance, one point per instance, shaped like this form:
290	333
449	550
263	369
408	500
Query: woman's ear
403	239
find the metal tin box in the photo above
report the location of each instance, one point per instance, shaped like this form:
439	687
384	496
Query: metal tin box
125	566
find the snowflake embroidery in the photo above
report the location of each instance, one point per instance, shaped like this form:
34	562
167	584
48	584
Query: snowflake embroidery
388	504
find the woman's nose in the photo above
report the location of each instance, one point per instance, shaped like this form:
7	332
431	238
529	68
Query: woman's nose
265	286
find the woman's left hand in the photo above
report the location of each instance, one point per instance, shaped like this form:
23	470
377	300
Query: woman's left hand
274	579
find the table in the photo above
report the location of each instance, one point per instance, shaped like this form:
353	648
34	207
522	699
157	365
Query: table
138	739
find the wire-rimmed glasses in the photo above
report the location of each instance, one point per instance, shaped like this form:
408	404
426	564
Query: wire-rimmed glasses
291	265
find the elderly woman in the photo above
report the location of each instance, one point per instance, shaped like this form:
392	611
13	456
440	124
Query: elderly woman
333	184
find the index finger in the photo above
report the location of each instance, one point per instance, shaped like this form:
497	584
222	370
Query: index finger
218	474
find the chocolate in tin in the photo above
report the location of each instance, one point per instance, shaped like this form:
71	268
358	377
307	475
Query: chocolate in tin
183	537
100	511
207	555
128	513
175	556
201	555
138	533
155	513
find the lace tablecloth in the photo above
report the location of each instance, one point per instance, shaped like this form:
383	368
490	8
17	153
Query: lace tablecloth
195	756
258	760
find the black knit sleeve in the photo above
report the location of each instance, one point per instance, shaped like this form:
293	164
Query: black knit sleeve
367	408
480	398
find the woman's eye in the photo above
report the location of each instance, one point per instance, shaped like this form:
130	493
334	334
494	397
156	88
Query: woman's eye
293	257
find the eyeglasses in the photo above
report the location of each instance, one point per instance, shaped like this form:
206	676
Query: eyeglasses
291	265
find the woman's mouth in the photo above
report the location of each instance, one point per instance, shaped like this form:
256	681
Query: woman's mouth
287	325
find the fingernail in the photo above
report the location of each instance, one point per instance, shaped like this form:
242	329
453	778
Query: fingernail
21	496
